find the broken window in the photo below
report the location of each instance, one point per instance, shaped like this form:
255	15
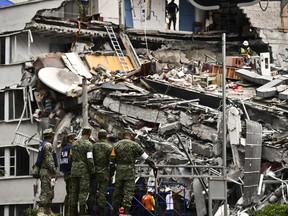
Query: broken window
12	104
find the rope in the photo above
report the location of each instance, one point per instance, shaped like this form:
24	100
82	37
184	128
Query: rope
262	7
77	36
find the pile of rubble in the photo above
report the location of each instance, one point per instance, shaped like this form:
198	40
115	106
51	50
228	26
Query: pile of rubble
175	111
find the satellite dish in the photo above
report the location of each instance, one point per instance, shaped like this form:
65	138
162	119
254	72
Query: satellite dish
59	79
217	4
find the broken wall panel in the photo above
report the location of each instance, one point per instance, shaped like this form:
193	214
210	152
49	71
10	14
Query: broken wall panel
146	114
253	152
110	62
209	100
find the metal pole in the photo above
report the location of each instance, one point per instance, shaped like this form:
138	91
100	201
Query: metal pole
224	121
84	102
120	14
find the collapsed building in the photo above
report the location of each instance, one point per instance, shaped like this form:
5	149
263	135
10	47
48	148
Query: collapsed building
167	89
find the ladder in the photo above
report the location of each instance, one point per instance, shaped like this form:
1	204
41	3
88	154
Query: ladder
117	48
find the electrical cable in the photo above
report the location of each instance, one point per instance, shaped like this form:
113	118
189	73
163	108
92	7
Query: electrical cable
265	7
77	36
145	36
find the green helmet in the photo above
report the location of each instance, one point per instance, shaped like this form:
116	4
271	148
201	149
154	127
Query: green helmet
87	129
70	135
127	131
102	132
48	132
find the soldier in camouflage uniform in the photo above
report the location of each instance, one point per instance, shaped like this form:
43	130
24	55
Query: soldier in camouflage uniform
81	157
83	7
123	155
101	153
47	162
65	168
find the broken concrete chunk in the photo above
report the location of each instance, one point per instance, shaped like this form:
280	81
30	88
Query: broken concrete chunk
169	128
203	132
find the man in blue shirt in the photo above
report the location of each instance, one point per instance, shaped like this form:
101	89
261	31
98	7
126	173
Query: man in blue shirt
65	167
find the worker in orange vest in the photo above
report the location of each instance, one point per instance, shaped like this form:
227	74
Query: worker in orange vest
149	202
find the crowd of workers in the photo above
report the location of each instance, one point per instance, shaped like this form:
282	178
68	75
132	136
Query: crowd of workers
88	169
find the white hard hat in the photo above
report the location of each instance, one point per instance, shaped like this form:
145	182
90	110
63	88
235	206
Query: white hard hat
245	43
167	189
150	190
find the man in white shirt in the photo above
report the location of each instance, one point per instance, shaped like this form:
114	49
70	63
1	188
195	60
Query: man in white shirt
170	201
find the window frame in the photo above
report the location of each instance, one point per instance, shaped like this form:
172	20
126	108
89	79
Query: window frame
7	105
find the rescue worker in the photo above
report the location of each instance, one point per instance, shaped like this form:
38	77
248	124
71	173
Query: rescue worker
83	7
123	155
170	200
245	51
82	169
101	153
65	168
47	162
172	9
149	202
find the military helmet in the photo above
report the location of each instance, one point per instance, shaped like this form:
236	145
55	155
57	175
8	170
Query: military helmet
102	132
48	131
87	129
127	131
70	135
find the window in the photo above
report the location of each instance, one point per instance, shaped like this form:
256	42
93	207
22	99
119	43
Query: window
2	50
12	104
15	161
2	159
12	161
15	47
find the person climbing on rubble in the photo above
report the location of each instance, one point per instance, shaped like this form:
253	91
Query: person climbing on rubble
65	168
123	156
149	202
47	162
246	52
101	153
82	169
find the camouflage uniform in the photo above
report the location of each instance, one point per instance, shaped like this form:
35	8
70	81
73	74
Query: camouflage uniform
83	6
81	157
65	167
101	153
47	172
124	154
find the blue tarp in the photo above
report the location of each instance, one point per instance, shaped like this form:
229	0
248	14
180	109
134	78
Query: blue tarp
5	3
